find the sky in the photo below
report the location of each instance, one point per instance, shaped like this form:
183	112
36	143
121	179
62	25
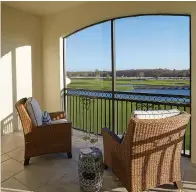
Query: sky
142	42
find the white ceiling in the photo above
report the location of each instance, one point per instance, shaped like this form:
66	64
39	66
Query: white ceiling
42	7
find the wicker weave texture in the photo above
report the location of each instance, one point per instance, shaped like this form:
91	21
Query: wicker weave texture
45	139
149	154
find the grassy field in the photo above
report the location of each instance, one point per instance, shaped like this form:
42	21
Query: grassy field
98	113
106	84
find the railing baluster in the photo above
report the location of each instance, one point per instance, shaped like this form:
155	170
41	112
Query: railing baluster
136	105
97	115
90	107
184	142
83	113
121	116
117	118
70	108
126	116
147	106
93	116
86	114
109	115
184	145
76	111
101	114
105	112
73	111
189	133
76	104
80	123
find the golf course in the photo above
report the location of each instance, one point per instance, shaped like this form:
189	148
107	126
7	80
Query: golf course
106	84
90	113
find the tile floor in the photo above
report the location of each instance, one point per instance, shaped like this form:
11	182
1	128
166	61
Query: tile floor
52	173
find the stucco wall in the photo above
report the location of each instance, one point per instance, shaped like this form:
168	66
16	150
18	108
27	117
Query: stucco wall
21	67
193	87
66	22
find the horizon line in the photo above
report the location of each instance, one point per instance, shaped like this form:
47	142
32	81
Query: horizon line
127	70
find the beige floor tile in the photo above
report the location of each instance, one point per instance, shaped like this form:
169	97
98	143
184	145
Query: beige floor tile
117	189
40	161
22	147
4	157
55	172
189	186
109	182
55	156
10	168
185	164
67	178
17	154
64	167
54	188
13	184
12	141
32	180
68	165
73	187
35	175
43	161
162	190
189	175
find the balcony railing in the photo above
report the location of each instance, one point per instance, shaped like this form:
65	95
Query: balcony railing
91	110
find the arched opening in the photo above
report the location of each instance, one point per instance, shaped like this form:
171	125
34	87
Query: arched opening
126	64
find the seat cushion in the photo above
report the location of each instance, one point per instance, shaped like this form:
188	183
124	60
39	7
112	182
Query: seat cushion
156	114
59	121
34	111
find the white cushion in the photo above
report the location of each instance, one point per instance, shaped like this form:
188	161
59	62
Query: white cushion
34	111
59	121
156	114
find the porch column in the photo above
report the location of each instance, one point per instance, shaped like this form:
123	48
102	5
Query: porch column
193	87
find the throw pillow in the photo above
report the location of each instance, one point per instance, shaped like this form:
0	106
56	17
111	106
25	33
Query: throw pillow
46	119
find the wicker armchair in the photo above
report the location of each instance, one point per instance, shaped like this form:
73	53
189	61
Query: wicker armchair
44	139
149	154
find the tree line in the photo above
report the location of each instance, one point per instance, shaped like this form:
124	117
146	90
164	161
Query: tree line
132	73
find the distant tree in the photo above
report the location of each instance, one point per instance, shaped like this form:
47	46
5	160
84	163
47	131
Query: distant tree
97	73
184	74
174	73
141	74
84	74
133	73
108	76
157	73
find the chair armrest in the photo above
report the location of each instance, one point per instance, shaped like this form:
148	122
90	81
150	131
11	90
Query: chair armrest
108	132
57	115
110	142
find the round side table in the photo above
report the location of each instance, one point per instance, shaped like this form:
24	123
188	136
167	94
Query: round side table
90	169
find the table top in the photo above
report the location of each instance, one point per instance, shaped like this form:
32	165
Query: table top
61	121
91	151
